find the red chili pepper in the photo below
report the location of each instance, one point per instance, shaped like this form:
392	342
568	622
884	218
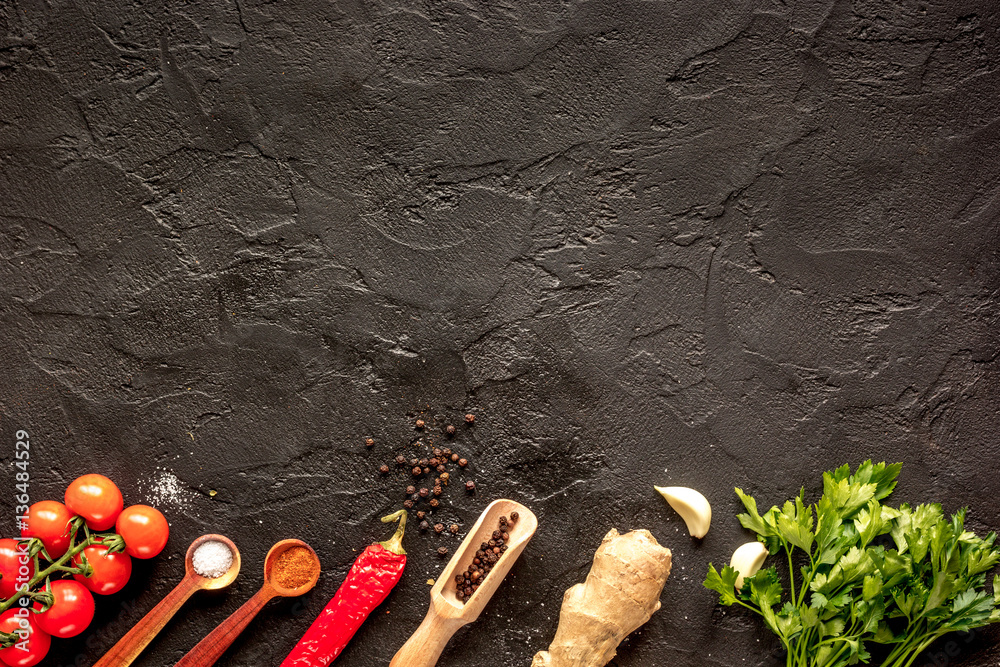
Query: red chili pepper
372	576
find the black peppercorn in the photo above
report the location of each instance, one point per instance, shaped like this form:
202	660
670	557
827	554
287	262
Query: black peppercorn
434	502
384	469
453	528
446	452
414	462
513	516
438	490
410	490
417	471
408	504
424	526
470	486
440	468
449	429
424	493
401	460
420	423
460	595
426	471
436	451
369	442
439	528
443	551
470	418
421	514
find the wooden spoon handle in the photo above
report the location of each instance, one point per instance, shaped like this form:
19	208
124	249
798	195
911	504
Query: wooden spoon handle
424	646
135	640
211	648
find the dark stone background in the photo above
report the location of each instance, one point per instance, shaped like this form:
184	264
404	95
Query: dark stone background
698	243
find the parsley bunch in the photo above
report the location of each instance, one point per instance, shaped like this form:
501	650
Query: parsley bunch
868	573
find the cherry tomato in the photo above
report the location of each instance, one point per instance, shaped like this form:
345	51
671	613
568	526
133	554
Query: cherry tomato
14	565
48	521
96	499
36	639
71	612
144	530
111	571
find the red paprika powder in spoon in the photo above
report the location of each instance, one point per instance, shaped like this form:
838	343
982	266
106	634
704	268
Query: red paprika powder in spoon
372	576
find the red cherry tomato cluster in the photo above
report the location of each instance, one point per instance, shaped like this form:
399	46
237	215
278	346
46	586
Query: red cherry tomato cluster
72	537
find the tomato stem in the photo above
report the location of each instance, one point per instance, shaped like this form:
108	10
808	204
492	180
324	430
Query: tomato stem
57	566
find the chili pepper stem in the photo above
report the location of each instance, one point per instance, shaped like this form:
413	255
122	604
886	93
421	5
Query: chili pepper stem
395	543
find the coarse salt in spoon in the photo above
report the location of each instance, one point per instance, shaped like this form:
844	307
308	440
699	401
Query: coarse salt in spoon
137	639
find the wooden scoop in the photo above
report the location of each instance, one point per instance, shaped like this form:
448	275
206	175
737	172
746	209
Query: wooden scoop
211	648
135	640
447	613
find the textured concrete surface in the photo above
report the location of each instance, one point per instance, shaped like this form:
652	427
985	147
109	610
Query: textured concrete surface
700	243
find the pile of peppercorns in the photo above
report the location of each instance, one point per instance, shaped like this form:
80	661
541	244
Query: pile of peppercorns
487	556
436	463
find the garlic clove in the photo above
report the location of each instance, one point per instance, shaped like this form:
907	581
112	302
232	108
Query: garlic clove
691	505
747	560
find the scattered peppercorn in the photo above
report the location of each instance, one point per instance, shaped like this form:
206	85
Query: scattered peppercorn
470	418
417	470
444	478
440	468
420	423
438	490
454	458
408	504
470	486
453	528
414	462
436	451
424	493
446	452
384	469
463	462
449	429
369	442
421	514
401	460
434	502
439	528
442	551
423	526
410	490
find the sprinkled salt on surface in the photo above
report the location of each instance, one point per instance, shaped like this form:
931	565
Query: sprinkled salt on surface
212	559
165	489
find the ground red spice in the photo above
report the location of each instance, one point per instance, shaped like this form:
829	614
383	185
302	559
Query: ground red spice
293	568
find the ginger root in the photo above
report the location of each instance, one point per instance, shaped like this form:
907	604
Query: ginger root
620	594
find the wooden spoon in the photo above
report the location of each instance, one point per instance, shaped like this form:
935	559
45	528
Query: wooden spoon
211	648
135	640
447	613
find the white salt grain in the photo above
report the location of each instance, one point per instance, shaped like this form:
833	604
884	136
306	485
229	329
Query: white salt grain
212	559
